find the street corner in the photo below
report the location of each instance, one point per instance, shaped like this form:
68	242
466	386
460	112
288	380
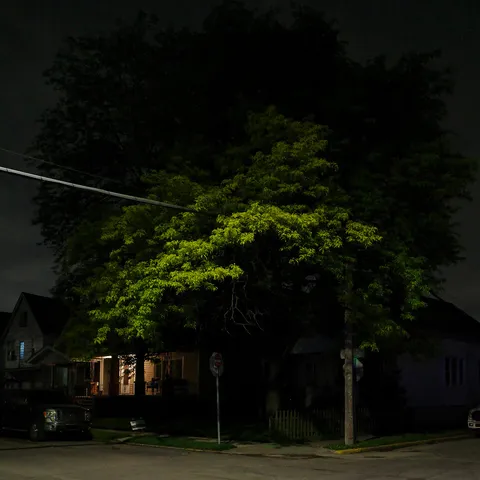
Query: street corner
465	450
370	446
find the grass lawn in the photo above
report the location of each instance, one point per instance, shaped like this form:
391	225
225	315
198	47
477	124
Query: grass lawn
106	436
181	442
391	441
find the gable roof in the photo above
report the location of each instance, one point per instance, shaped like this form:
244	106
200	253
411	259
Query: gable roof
40	356
448	321
50	314
4	321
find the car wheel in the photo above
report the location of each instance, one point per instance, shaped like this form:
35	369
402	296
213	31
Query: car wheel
36	433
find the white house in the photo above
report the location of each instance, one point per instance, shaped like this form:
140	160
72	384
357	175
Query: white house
27	344
451	377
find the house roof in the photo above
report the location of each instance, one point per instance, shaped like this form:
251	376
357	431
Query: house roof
50	314
4	320
42	354
448	321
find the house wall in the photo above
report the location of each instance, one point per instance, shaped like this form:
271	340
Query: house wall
317	370
30	334
426	381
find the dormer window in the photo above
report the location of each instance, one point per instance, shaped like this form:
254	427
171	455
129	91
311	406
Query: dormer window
23	319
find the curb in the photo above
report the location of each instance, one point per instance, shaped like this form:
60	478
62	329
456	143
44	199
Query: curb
395	446
168	447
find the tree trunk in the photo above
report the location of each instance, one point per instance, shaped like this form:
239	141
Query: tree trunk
349	386
349	424
140	372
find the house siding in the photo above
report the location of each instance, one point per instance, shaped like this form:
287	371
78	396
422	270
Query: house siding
30	334
425	381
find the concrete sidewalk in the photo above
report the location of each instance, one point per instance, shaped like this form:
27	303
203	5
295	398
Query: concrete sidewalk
312	450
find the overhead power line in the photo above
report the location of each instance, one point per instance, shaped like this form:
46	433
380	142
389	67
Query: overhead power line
95	190
56	165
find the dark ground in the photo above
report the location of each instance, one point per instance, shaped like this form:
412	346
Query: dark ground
21	460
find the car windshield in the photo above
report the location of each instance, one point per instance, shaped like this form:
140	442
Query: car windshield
46	396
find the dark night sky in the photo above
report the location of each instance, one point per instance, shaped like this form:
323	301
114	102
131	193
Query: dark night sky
30	36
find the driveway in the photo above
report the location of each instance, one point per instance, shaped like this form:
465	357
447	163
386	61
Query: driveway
452	461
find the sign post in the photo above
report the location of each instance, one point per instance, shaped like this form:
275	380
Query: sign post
216	367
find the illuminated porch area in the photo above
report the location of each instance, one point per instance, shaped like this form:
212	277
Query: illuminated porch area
108	375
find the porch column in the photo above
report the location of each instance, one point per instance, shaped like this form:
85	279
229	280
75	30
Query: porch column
114	384
102	375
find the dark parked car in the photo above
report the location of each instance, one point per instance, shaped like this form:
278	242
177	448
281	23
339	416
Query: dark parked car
43	413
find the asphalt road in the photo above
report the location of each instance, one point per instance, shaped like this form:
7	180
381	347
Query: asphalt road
20	460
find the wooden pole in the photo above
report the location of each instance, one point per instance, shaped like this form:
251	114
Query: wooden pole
349	422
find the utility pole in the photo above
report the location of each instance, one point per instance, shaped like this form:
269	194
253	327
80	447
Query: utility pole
349	422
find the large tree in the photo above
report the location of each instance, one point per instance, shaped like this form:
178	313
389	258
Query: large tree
144	98
283	210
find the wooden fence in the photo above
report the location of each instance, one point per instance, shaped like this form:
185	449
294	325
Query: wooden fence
297	425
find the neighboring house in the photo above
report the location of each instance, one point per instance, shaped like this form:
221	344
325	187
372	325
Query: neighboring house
4	320
451	377
30	359
28	353
447	376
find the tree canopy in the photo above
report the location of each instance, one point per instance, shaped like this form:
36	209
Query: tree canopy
163	112
285	200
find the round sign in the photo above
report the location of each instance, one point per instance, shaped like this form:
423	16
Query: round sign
216	364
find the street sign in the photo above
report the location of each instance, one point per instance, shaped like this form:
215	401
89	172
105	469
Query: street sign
357	352
216	364
216	367
358	368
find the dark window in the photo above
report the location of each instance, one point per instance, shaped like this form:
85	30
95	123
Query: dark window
177	369
447	371
23	319
454	371
160	370
11	352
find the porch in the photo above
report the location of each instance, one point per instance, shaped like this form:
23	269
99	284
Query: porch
109	375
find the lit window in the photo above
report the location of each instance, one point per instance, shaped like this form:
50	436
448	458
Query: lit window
21	350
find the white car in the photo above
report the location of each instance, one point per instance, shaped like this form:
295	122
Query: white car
474	420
